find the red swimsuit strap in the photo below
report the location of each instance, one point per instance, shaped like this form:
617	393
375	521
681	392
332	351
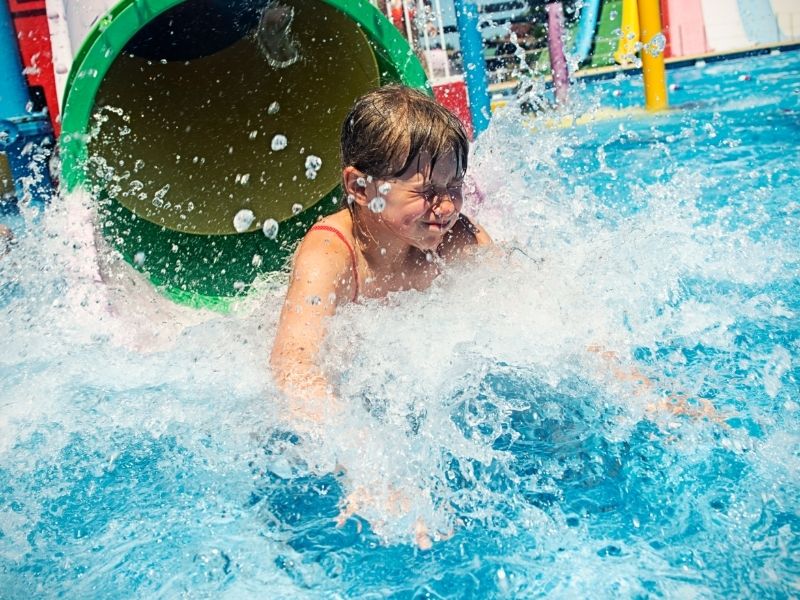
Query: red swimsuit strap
341	236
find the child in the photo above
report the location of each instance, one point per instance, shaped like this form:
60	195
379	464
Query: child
403	163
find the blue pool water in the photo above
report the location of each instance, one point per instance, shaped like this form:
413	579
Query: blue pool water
142	453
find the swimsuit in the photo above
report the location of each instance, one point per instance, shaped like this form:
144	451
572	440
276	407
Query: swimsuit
341	236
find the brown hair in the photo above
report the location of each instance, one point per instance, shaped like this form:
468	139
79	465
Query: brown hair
387	129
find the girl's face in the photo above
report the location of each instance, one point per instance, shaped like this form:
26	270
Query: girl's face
422	204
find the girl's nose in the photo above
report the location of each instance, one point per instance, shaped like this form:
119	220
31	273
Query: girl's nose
444	205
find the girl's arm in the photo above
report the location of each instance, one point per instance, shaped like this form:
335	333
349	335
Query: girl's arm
321	278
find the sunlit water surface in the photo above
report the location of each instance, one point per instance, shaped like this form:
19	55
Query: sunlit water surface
141	454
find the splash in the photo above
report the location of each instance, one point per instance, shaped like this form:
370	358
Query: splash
143	446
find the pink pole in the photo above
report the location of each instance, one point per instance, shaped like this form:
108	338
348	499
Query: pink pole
555	43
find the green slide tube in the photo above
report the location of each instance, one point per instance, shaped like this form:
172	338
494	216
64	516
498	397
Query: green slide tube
181	114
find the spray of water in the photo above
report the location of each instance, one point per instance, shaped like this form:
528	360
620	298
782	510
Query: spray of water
145	439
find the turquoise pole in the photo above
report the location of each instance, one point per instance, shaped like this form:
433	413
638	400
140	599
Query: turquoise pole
13	91
474	64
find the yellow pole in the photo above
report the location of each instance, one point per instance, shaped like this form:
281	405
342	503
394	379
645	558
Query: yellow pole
653	40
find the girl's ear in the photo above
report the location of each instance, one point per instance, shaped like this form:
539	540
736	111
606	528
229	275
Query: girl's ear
351	177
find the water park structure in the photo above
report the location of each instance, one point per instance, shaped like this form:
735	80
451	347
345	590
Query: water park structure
176	127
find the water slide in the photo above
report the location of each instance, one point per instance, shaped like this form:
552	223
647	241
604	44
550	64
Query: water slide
607	34
723	24
179	115
685	27
787	13
758	19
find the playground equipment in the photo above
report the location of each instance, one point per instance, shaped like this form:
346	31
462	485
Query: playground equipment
474	63
652	53
209	128
25	133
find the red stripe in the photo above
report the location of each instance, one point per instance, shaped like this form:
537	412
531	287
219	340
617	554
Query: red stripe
349	247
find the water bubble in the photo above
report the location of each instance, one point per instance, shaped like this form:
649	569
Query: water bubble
257	260
361	182
279	142
314	300
313	162
377	204
270	228
384	188
238	285
139	258
350	198
502	580
158	197
297	208
138	165
429	256
656	45
253	134
243	219
311	174
273	108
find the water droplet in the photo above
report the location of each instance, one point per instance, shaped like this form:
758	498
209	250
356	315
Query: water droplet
257	260
384	188
279	142
377	204
429	256
350	198
270	228
311	174
273	108
297	208
253	134
139	258
138	165
361	182
313	162
243	219
238	285
314	300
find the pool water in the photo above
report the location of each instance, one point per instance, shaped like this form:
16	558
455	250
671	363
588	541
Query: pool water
142	452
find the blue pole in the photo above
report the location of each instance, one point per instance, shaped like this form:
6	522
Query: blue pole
586	28
474	65
13	90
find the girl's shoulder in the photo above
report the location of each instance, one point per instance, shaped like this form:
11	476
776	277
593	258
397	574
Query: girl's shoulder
338	227
327	253
464	233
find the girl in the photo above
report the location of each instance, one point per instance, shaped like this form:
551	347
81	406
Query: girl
403	163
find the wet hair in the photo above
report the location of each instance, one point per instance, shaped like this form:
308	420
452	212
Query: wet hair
388	128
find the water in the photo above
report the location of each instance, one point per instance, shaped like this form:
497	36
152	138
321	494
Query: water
143	452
